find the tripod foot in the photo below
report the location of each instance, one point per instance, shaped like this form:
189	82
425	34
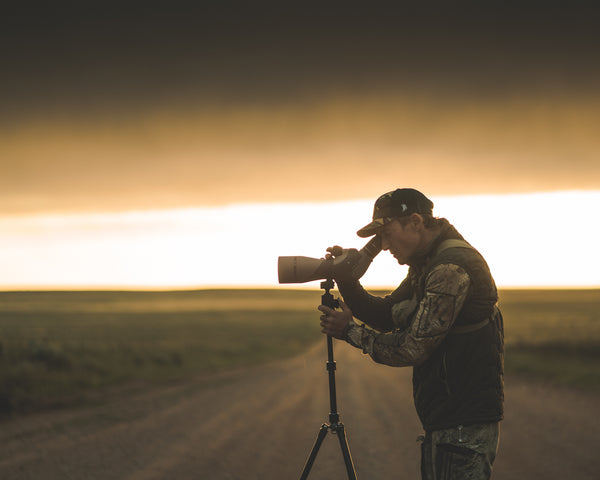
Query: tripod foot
314	451
338	429
341	433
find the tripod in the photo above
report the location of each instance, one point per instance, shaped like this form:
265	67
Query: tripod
336	427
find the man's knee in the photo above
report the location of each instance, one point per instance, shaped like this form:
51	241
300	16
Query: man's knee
460	463
460	453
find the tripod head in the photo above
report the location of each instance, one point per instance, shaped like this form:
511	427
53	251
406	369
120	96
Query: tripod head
327	298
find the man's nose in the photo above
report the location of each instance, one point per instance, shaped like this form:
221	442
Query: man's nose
384	244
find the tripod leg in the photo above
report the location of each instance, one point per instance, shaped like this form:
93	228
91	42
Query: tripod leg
314	451
341	434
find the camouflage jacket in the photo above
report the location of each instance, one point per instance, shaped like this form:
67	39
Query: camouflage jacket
442	320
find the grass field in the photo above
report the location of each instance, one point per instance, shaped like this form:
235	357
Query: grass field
553	335
55	347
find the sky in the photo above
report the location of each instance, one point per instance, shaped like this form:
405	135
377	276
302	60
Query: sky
112	113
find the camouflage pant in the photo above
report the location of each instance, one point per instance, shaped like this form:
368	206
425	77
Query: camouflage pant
461	453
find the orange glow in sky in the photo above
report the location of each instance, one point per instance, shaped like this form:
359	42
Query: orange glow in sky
529	240
133	156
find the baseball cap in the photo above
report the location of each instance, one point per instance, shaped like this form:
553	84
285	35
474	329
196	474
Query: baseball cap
399	203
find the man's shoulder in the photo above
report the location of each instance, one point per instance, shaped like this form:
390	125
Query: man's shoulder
456	251
452	243
461	256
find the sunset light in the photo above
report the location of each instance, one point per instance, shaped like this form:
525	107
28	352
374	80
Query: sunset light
128	163
529	240
158	158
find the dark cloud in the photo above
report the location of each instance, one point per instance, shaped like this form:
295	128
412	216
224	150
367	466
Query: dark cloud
82	58
148	105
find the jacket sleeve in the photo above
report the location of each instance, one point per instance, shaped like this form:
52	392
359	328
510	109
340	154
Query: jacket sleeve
413	340
370	309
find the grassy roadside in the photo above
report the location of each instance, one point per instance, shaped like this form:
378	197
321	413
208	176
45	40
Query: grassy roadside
55	347
553	335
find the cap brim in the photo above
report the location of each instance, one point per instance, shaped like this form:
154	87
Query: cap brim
372	228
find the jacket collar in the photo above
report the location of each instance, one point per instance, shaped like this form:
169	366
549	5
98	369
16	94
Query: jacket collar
422	257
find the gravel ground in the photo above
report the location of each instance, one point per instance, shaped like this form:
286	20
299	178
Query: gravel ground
261	423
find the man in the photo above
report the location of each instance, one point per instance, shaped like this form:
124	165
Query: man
442	320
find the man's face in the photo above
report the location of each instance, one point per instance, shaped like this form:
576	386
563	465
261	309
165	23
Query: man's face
401	241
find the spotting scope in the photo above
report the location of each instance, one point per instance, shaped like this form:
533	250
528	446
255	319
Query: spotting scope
349	263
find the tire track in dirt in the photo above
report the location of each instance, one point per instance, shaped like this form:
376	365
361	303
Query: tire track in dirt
261	423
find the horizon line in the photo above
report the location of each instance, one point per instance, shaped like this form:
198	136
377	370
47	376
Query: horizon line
186	288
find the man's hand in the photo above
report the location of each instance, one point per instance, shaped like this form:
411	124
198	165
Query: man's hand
334	322
345	261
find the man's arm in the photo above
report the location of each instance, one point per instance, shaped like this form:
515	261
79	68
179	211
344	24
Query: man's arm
445	292
370	309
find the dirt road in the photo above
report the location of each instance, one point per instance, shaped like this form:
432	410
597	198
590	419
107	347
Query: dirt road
261	423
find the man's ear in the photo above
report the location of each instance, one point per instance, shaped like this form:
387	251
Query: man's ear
416	220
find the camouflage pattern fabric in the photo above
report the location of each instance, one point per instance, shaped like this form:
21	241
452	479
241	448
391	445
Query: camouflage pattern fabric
461	453
419	327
